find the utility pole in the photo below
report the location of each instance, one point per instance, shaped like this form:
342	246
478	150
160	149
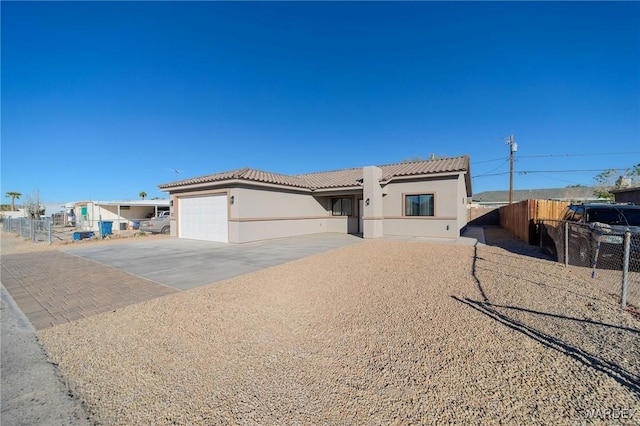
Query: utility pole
513	147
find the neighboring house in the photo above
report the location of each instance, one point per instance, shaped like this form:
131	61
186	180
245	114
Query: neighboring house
52	208
577	194
422	199
627	195
123	214
47	209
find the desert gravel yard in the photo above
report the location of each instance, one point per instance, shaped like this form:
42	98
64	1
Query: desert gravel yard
380	332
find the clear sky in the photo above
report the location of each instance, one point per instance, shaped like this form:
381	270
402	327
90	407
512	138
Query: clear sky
102	100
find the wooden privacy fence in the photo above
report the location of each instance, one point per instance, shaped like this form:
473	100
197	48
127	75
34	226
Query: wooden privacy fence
520	218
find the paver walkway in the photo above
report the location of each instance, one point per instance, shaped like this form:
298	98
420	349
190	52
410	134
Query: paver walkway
52	287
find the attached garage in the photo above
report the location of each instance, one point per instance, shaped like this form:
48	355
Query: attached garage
203	218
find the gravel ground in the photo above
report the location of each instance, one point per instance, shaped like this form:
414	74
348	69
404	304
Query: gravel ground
381	332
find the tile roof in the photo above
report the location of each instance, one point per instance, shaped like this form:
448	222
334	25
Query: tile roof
438	165
333	179
244	174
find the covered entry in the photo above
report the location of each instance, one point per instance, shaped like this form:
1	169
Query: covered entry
203	218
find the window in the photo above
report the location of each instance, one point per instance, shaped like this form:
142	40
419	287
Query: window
341	206
579	214
418	205
568	214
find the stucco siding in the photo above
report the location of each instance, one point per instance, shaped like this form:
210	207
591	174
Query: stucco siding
422	227
447	208
338	224
242	232
260	203
265	214
462	202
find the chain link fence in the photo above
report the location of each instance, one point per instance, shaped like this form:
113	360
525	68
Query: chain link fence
58	228
29	229
596	252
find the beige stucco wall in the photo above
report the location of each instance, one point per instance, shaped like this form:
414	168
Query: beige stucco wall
462	203
264	203
373	219
242	232
267	214
447	208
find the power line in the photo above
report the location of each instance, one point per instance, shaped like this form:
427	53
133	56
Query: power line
578	155
485	174
525	172
560	180
489	161
492	174
559	155
570	171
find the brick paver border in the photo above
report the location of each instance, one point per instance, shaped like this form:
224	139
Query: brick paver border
52	287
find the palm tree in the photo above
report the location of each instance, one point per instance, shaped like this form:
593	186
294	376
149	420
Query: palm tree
142	194
13	196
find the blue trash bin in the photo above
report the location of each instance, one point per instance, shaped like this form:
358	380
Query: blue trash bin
106	227
77	236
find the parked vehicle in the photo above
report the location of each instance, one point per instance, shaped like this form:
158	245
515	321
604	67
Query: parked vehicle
596	234
157	225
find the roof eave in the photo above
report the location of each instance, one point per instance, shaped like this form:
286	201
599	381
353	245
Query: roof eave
422	176
232	182
338	188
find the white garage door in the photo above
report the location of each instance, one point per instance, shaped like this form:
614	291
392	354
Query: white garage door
203	218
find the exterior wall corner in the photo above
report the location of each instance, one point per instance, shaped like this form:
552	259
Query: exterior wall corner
373	218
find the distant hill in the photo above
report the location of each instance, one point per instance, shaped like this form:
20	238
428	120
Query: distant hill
575	194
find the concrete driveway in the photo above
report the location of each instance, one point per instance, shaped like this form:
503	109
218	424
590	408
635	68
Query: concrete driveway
186	264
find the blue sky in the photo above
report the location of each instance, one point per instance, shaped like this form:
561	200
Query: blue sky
101	100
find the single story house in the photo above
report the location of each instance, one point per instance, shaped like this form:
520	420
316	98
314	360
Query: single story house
627	195
124	214
420	198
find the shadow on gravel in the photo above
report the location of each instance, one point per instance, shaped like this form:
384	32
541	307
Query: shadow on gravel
619	374
498	237
613	370
582	320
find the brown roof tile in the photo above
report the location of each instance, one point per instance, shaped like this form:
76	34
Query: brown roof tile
332	179
438	165
231	174
276	178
